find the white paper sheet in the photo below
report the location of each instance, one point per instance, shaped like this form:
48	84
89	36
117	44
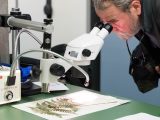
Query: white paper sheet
140	116
90	102
55	86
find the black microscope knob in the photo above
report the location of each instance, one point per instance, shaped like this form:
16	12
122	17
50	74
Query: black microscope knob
36	71
86	53
57	69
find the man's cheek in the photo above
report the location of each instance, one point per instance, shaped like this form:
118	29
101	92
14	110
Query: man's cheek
121	27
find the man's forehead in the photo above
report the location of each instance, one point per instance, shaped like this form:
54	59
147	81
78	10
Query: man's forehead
109	13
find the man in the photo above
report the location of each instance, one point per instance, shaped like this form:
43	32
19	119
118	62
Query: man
132	18
129	16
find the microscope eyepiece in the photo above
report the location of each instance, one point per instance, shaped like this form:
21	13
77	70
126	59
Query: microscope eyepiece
108	27
99	25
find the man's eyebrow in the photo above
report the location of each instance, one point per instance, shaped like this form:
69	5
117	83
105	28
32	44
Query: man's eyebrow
110	18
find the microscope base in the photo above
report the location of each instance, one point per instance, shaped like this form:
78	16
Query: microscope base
32	89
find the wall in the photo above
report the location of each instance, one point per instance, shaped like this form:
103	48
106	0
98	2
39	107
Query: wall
115	78
70	19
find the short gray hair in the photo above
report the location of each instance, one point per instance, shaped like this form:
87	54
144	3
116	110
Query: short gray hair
103	4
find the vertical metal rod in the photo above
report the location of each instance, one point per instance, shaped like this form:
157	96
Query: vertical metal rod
14	55
16	4
15	11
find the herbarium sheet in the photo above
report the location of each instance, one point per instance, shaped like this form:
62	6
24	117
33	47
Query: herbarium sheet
70	105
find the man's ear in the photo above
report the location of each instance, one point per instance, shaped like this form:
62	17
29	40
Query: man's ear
135	7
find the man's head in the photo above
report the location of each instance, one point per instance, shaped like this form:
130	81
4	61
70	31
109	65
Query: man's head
123	15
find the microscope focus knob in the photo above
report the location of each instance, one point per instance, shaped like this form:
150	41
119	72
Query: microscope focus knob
57	69
86	53
9	95
35	71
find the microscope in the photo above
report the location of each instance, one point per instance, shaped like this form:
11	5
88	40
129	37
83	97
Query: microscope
79	51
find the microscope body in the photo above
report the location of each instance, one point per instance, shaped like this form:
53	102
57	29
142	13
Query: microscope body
79	51
84	49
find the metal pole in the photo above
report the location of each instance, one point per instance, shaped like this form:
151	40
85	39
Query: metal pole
14	54
32	25
16	4
14	35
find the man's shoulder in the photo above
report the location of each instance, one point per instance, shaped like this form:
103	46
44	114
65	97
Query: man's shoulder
151	18
151	8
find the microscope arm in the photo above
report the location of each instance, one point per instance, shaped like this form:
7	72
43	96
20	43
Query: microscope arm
32	25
